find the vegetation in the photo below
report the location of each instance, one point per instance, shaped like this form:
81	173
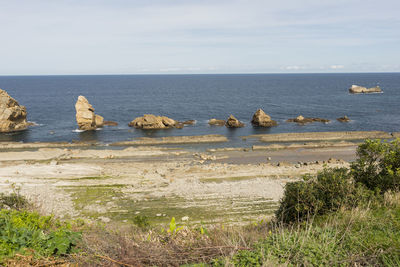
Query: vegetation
28	233
339	217
378	165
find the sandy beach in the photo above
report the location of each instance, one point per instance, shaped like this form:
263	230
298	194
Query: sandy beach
142	177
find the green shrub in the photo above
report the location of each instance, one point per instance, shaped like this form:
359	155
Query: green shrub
328	191
27	232
378	165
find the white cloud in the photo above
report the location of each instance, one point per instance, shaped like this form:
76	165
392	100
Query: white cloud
335	67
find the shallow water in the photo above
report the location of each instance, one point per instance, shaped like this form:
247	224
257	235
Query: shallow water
50	103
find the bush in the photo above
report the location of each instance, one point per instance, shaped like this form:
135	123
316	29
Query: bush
328	191
378	165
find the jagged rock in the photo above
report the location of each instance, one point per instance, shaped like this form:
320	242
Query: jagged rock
216	122
356	89
300	119
12	115
263	120
85	116
232	122
150	121
110	123
343	119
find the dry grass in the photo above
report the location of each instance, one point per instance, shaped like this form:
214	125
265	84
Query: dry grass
132	246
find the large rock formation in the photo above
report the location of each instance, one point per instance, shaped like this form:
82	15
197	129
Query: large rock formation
12	115
263	120
356	89
85	116
301	120
232	122
150	121
216	122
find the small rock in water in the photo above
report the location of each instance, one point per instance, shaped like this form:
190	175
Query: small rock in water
268	158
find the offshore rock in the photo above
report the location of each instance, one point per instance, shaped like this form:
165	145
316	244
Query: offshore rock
232	122
110	123
85	116
150	121
12	115
301	120
356	89
263	120
343	119
216	122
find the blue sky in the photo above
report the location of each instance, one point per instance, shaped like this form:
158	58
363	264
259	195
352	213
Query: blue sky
187	36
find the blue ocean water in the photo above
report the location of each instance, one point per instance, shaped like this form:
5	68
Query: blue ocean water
50	103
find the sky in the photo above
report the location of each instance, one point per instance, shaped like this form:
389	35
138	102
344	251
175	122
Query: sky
46	37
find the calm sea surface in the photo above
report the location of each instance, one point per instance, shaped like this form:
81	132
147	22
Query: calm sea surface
50	103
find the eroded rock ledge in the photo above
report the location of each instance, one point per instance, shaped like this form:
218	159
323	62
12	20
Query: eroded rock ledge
356	89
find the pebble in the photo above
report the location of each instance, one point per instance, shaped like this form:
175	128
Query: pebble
105	219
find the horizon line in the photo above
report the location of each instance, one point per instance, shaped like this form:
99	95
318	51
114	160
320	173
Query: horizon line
221	73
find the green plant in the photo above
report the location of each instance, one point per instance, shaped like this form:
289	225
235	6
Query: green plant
173	228
378	165
141	221
328	191
28	232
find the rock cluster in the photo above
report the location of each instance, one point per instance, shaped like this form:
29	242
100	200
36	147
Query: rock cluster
356	89
85	116
12	115
232	122
150	121
343	119
301	120
263	120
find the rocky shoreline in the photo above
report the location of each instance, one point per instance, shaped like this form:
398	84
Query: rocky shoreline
105	183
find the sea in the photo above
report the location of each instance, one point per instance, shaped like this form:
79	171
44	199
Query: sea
50	102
